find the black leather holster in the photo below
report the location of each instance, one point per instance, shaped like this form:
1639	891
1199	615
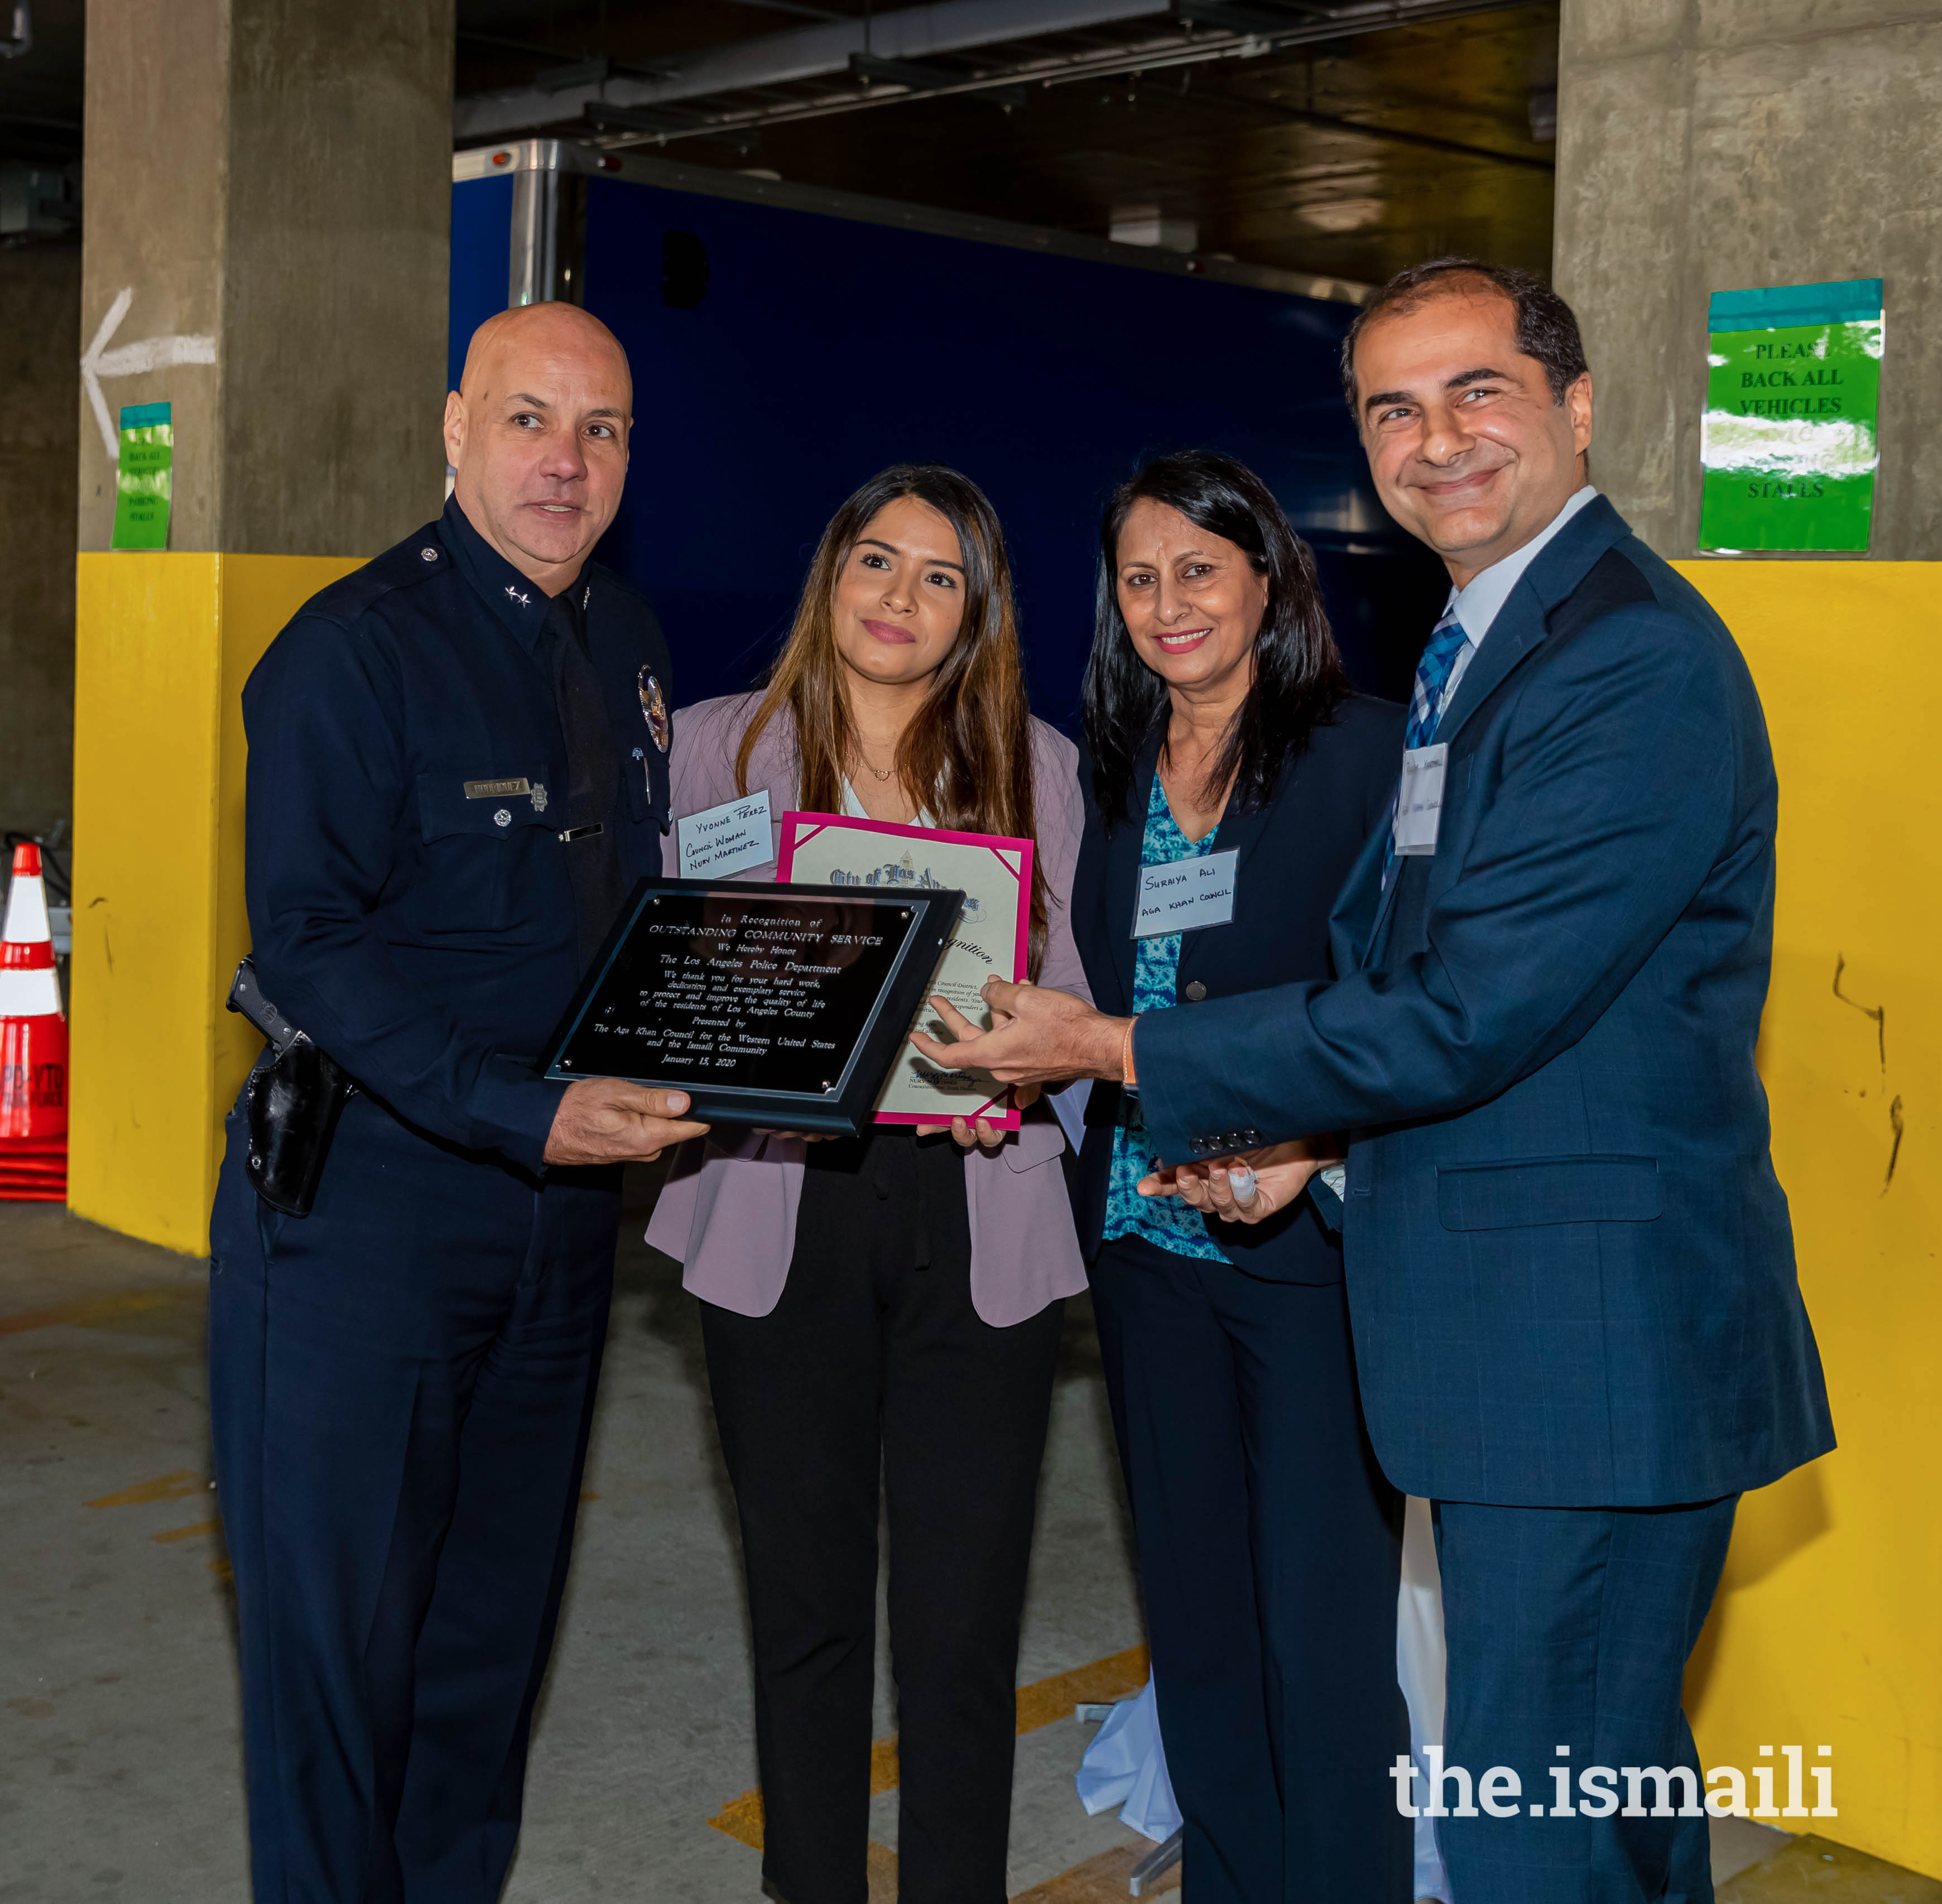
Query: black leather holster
294	1095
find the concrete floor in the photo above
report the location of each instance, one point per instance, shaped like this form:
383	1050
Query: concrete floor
119	1761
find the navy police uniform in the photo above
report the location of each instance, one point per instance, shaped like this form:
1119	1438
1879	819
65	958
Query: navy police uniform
401	1383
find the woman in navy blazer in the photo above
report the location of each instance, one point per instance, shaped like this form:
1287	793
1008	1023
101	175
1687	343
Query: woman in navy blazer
1219	720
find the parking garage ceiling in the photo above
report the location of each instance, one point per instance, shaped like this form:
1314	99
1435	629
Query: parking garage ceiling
1343	140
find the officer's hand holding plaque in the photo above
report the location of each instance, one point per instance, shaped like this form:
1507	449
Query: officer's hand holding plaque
790	1005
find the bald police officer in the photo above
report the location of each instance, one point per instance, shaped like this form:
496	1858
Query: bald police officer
458	769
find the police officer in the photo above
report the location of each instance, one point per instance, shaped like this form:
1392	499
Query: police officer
458	769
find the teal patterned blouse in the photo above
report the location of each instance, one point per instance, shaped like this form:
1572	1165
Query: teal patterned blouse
1164	1222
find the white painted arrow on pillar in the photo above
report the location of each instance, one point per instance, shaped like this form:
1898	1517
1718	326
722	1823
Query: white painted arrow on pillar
97	361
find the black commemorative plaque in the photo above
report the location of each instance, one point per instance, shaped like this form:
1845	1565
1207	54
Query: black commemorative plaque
784	1005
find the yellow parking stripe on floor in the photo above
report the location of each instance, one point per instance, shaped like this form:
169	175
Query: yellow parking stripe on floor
163	1487
185	1533
1099	1880
1117	1676
1105	1680
741	1819
90	1312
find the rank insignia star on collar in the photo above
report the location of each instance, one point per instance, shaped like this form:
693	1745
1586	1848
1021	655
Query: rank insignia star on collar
524	601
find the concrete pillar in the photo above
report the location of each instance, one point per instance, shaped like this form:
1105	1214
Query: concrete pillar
40	312
1711	146
268	206
275	176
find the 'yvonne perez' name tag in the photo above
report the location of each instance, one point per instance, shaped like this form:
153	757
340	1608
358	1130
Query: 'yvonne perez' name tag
727	839
1420	799
1185	894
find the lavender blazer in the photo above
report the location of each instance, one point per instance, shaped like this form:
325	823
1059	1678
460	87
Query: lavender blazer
728	1213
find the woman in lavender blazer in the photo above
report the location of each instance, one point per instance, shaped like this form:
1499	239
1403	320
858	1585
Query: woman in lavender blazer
891	1304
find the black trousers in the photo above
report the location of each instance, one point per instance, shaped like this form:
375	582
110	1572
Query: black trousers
1270	1554
401	1387
875	1362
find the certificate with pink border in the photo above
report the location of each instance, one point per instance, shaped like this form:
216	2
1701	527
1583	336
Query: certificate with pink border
994	873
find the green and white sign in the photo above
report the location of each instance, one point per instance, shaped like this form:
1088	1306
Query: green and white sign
142	478
1788	439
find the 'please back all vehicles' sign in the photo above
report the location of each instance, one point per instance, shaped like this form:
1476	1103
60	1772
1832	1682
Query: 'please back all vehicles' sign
1793	377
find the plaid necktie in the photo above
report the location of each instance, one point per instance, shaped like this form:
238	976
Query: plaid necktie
1447	641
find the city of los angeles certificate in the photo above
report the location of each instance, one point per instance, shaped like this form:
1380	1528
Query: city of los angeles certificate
994	873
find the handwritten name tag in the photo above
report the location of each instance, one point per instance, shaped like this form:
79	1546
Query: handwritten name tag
727	839
1419	813
1185	894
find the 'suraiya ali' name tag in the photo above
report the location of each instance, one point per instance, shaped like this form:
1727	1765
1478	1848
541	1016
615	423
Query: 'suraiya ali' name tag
729	838
1184	895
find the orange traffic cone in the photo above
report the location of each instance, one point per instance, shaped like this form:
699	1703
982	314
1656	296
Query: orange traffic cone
33	1045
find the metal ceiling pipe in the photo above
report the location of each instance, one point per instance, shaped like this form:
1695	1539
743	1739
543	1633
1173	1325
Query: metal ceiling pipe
1338	22
534	262
911	33
1145	56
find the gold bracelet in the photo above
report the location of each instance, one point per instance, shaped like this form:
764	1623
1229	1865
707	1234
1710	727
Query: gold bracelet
1126	1077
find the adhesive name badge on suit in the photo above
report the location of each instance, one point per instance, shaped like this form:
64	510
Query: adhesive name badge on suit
1420	799
1185	894
729	838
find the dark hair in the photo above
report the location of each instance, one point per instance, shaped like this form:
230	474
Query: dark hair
1299	679
966	753
1547	327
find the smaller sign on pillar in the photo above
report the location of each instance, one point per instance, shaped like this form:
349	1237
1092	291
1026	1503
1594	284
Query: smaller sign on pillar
1788	439
142	484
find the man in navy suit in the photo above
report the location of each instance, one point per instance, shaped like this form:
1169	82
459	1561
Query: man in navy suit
1569	1264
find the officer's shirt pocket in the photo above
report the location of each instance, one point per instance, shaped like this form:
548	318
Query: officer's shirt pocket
477	832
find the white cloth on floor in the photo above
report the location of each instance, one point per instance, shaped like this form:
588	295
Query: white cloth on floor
1125	1765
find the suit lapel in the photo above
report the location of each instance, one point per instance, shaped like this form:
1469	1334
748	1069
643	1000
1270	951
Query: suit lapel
1521	622
1520	626
772	762
1359	907
1384	901
1124	845
1240	833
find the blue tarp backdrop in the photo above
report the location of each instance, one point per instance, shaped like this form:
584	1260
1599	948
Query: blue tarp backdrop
821	348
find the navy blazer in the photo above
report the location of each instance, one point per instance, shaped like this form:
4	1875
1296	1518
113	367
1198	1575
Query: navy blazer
1295	853
1571	1268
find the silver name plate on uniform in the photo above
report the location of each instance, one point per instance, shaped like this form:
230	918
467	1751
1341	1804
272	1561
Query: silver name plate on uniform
778	1006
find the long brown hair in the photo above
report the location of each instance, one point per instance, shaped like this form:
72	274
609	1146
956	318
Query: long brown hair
967	754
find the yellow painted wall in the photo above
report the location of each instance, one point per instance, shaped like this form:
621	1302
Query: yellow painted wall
1828	1627
164	643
